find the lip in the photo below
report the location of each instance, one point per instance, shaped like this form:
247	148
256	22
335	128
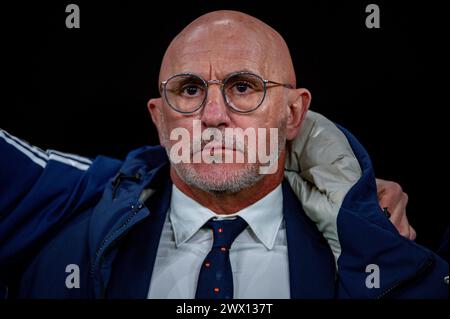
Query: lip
218	148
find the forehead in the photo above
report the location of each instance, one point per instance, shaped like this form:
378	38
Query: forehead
219	54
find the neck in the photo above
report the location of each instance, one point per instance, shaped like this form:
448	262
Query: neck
226	204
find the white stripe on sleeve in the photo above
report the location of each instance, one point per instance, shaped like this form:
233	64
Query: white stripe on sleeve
39	161
41	158
83	160
68	161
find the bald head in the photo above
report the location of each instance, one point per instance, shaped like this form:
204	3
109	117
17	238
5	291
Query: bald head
222	42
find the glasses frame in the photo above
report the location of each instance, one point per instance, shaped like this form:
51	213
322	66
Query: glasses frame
222	83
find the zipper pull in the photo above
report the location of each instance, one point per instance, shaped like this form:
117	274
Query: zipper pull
121	177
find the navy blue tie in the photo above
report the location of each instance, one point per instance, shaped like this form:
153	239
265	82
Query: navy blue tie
215	280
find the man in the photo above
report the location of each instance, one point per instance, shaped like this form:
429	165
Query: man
163	228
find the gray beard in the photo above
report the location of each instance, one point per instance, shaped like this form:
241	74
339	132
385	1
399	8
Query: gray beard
234	181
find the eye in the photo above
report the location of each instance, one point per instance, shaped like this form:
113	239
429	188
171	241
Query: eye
244	84
190	90
242	87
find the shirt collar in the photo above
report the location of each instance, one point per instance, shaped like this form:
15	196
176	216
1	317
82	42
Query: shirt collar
264	217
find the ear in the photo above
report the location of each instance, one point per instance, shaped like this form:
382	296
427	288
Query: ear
154	108
301	99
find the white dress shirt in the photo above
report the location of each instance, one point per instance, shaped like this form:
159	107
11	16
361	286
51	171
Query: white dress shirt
258	256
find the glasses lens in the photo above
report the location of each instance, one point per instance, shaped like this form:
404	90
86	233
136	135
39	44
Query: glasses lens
185	93
244	92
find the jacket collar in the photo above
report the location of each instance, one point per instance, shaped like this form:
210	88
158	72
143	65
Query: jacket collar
141	248
311	262
120	208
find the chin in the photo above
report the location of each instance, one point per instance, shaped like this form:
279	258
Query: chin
220	177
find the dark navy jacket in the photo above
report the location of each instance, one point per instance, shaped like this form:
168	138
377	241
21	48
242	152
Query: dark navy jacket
58	210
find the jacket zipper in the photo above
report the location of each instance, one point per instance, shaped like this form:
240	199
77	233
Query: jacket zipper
105	246
401	283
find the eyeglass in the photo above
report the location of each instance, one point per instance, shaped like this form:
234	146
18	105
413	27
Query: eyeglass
243	92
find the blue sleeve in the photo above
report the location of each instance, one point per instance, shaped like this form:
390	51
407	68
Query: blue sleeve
39	190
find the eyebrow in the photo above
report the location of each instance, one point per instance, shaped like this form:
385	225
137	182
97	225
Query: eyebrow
243	70
230	73
226	75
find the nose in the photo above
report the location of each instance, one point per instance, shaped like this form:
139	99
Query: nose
215	111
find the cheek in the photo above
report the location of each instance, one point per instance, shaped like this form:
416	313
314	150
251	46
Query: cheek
173	120
276	110
276	118
272	116
177	126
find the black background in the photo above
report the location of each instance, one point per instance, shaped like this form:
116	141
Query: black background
85	90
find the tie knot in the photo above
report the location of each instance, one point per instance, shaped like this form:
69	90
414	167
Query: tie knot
225	231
